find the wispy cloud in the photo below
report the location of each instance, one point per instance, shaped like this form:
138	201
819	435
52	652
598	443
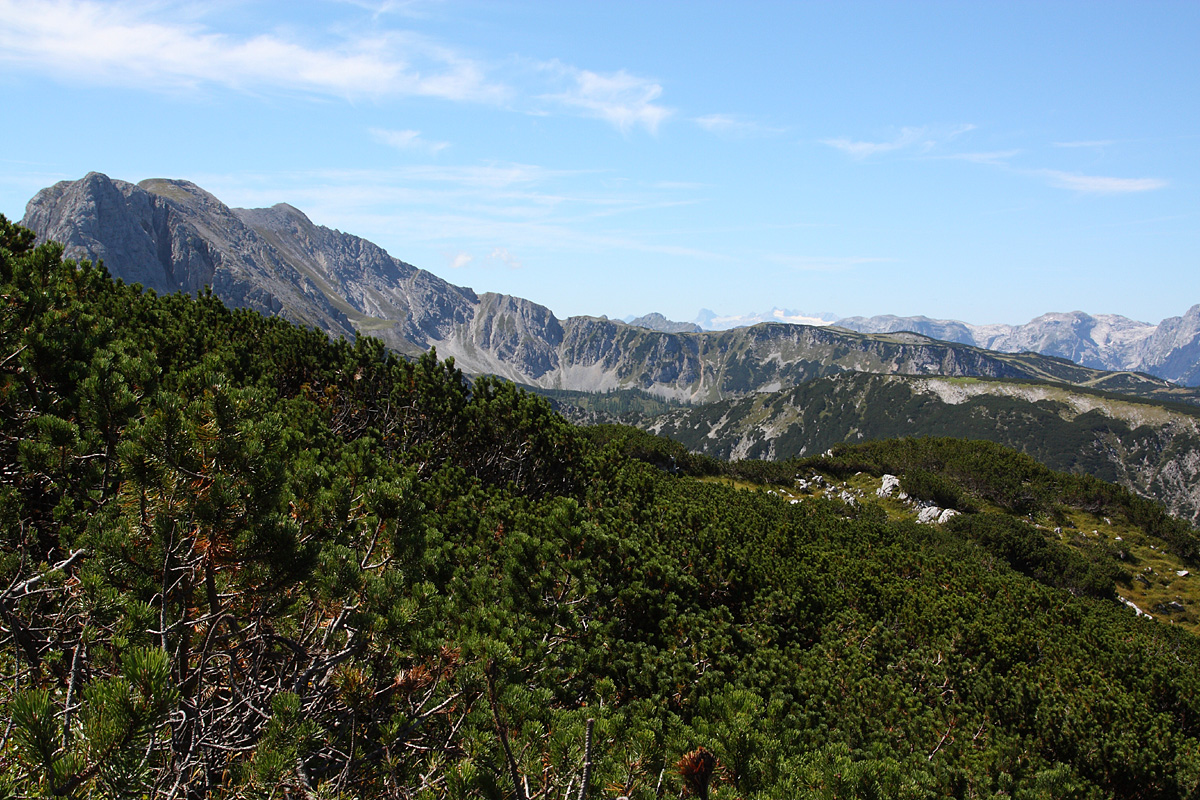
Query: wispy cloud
460	260
619	98
1097	184
154	46
825	263
462	210
126	44
729	125
502	255
923	139
1095	144
999	158
406	140
379	8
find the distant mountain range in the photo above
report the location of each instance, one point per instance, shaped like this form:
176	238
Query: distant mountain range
1170	349
171	235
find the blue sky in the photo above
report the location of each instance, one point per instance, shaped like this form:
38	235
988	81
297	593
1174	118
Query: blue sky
984	161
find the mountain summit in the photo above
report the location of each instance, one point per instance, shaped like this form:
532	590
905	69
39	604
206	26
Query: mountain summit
1169	350
171	235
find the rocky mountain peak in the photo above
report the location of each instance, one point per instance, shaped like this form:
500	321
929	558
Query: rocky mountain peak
1169	350
657	322
172	236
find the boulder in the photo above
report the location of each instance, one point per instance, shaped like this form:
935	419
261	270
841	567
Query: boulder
929	515
890	484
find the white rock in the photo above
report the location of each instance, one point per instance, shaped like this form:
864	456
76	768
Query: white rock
929	515
890	484
1183	573
945	516
1137	610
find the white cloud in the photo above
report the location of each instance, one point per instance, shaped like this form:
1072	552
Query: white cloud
1096	184
623	100
923	139
157	46
460	260
124	44
729	125
825	263
501	254
406	140
1097	144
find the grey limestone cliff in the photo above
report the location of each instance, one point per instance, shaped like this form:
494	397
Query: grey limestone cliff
1169	350
170	235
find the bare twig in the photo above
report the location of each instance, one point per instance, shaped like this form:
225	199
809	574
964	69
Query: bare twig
587	758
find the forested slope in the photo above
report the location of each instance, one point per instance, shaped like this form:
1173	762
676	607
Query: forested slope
1149	447
241	560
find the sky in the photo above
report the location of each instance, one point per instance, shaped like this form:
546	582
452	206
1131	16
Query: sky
981	161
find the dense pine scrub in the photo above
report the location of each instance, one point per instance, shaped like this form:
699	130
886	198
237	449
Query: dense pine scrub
241	560
1011	480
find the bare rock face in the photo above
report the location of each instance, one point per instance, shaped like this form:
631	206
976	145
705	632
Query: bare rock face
101	219
1169	350
172	236
657	322
1173	351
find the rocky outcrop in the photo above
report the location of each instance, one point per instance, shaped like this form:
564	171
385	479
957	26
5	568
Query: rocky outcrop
171	235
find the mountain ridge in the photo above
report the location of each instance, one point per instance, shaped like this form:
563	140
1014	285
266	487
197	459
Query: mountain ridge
171	235
1149	448
1170	349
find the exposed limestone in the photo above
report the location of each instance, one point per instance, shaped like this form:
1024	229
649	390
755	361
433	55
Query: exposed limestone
929	515
889	486
1168	350
173	236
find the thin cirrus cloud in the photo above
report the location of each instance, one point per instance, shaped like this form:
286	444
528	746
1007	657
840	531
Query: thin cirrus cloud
733	126
406	140
502	255
623	100
1098	184
825	263
121	44
1094	144
927	139
922	139
997	158
498	210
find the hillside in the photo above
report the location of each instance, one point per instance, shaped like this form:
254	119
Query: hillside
243	559
1151	448
172	236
